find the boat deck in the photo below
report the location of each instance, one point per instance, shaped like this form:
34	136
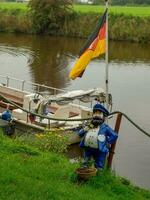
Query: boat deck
19	101
13	98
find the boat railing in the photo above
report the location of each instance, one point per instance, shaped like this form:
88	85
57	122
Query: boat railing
27	86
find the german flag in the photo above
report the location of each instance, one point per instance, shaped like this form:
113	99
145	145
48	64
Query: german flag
95	46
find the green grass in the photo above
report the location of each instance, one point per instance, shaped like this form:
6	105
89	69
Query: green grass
29	174
135	11
13	6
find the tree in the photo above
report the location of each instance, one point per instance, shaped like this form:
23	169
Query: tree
48	16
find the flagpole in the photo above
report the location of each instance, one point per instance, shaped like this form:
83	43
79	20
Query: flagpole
106	60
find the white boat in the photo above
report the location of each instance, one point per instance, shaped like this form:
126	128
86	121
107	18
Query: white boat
52	107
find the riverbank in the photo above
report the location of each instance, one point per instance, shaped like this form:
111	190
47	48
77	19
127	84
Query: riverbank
28	173
123	26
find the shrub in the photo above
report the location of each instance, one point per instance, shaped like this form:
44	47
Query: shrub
48	16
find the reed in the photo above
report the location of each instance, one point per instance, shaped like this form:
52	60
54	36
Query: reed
121	27
15	22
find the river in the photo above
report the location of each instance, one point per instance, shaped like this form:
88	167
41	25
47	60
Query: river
48	60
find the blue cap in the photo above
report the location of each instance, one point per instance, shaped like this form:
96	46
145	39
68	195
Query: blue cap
101	108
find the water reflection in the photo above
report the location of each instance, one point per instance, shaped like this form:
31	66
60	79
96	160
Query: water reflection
129	52
48	57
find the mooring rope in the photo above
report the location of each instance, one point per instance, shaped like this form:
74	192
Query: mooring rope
131	121
71	120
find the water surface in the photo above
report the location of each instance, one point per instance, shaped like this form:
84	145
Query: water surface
48	60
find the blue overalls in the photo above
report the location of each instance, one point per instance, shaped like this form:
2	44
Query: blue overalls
105	137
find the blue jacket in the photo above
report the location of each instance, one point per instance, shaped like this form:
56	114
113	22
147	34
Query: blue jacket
109	134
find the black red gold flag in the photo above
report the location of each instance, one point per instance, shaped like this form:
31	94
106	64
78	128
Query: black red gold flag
94	47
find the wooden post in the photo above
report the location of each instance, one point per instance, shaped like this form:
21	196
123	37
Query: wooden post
112	148
49	124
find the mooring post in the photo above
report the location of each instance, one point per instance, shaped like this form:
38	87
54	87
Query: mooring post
49	124
27	117
112	148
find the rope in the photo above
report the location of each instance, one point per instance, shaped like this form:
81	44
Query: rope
131	121
85	119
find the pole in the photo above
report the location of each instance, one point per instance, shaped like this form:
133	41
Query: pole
113	146
106	60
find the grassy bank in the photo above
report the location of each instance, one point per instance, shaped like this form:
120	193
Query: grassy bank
28	173
125	23
126	10
14	18
121	27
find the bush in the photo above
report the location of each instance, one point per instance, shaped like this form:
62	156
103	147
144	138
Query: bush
49	16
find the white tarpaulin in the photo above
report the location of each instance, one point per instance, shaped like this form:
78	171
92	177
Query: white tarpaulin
82	95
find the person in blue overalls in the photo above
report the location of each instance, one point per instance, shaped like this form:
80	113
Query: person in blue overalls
97	137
